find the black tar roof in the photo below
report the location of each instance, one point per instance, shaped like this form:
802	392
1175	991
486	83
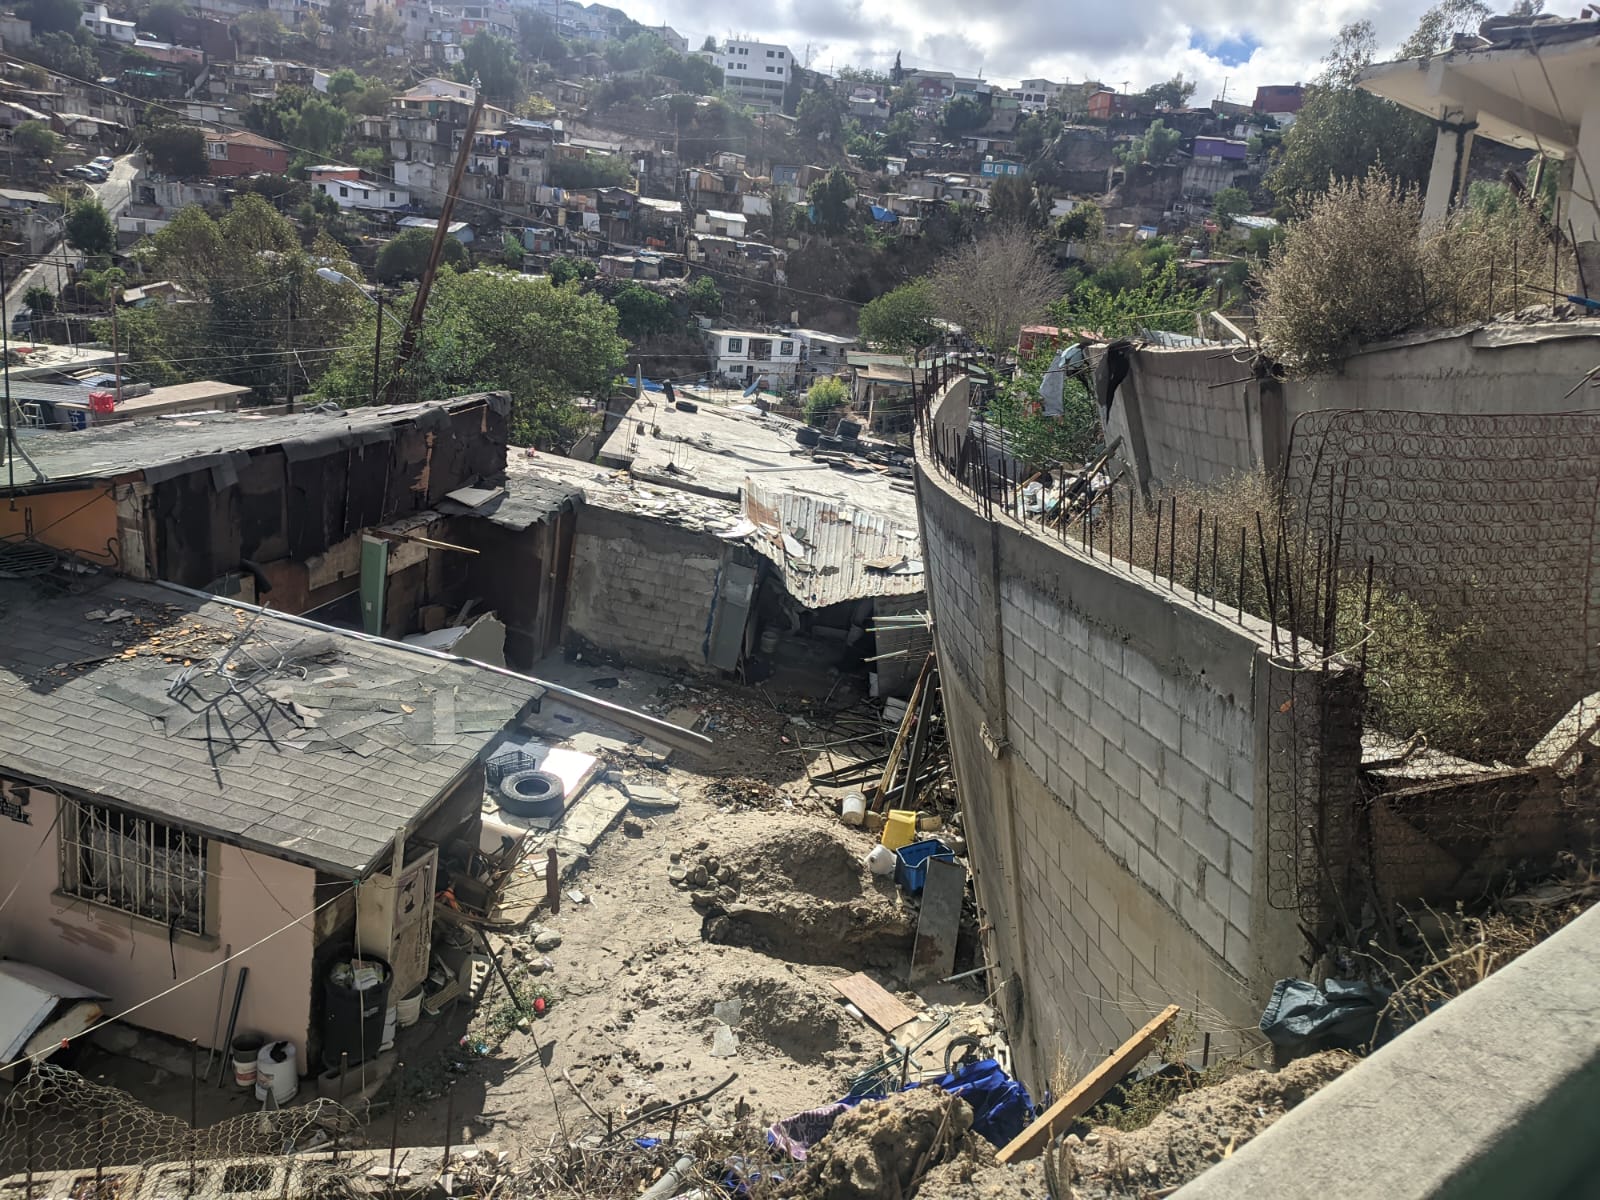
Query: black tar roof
255	730
159	448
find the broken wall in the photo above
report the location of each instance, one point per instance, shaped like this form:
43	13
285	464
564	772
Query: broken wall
1111	744
1198	415
644	589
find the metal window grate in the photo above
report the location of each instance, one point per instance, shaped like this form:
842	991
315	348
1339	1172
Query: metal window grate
133	864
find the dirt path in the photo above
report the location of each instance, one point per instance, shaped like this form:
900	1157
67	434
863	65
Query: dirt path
640	968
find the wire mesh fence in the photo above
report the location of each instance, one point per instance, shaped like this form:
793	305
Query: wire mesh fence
55	1120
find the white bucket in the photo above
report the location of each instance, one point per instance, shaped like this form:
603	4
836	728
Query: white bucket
409	1010
768	640
281	1080
854	810
881	860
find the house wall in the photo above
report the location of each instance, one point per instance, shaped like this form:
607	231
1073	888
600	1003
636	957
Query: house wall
643	589
1111	742
82	521
131	959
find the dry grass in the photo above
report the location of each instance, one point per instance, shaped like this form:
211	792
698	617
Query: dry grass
1360	267
1439	955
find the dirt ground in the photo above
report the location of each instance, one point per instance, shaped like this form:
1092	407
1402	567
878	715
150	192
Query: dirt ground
641	967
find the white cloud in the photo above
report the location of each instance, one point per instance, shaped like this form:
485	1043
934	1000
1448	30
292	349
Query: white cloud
1138	41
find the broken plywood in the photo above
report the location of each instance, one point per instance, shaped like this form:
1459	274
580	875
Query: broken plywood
876	1004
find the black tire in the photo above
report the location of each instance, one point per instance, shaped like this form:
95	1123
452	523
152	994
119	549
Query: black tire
531	794
807	436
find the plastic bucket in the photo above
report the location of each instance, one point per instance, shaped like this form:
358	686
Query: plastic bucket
769	640
245	1049
276	1073
854	810
409	1010
900	828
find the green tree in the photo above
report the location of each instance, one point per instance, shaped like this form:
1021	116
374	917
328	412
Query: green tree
641	312
962	116
1155	297
262	29
1084	223
1157	142
164	18
177	150
52	16
90	229
34	76
1040	440
1173	93
703	296
39	299
1342	131
1011	200
830	198
568	268
1036	131
69	53
406	256
370	159
820	117
318	126
824	398
493	59
899	133
35	139
902	319
492	329
261	312
538	38
597	170
1229	203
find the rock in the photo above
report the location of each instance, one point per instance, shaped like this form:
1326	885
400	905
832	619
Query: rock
958	845
632	826
704	900
726	895
675	856
728	875
698	877
710	865
677	876
547	940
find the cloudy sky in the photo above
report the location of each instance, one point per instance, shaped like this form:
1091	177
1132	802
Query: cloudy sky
1242	43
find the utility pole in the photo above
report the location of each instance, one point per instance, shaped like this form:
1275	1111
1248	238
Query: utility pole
5	355
377	348
413	326
288	357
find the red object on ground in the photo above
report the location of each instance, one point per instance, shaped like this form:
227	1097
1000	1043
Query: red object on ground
538	1005
102	402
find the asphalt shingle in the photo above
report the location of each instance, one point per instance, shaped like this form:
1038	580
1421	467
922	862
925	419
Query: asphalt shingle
235	722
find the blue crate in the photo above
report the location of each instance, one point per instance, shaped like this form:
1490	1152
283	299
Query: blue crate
911	862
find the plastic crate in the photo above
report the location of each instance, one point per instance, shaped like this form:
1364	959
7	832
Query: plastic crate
911	862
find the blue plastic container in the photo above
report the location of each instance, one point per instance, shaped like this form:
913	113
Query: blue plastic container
911	862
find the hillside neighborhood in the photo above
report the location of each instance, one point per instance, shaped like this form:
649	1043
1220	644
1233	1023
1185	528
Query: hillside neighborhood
600	610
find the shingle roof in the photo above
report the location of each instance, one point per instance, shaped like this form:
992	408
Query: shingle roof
315	747
526	499
108	451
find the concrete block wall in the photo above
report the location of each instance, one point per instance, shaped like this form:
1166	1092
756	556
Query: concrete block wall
1118	812
1183	415
643	589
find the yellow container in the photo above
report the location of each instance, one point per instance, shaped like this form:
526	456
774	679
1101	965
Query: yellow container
899	828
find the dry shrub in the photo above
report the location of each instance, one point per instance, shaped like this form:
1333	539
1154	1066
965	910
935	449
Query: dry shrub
1359	267
1439	955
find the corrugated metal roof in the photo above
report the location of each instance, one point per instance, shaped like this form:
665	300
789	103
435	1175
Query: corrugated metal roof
828	552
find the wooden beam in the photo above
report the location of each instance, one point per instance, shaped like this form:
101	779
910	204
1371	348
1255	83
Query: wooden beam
877	1005
1030	1143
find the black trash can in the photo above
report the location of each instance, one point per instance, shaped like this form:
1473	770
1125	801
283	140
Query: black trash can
352	1016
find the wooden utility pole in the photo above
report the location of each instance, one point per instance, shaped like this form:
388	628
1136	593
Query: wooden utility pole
413	326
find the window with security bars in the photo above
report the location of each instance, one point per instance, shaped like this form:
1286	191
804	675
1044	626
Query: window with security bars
133	864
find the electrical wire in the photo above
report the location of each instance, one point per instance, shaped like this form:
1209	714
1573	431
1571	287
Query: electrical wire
182	983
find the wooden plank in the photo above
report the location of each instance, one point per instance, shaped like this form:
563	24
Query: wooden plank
1030	1143
877	1005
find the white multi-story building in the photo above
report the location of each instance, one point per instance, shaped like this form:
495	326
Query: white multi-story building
98	21
745	356
1035	95
754	72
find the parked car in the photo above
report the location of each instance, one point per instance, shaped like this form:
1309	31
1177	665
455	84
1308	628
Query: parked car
98	174
78	173
104	161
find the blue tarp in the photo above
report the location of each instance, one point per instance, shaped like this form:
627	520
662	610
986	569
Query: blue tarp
884	215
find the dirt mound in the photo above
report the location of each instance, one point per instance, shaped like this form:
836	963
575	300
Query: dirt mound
885	1148
802	894
1194	1132
803	1025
